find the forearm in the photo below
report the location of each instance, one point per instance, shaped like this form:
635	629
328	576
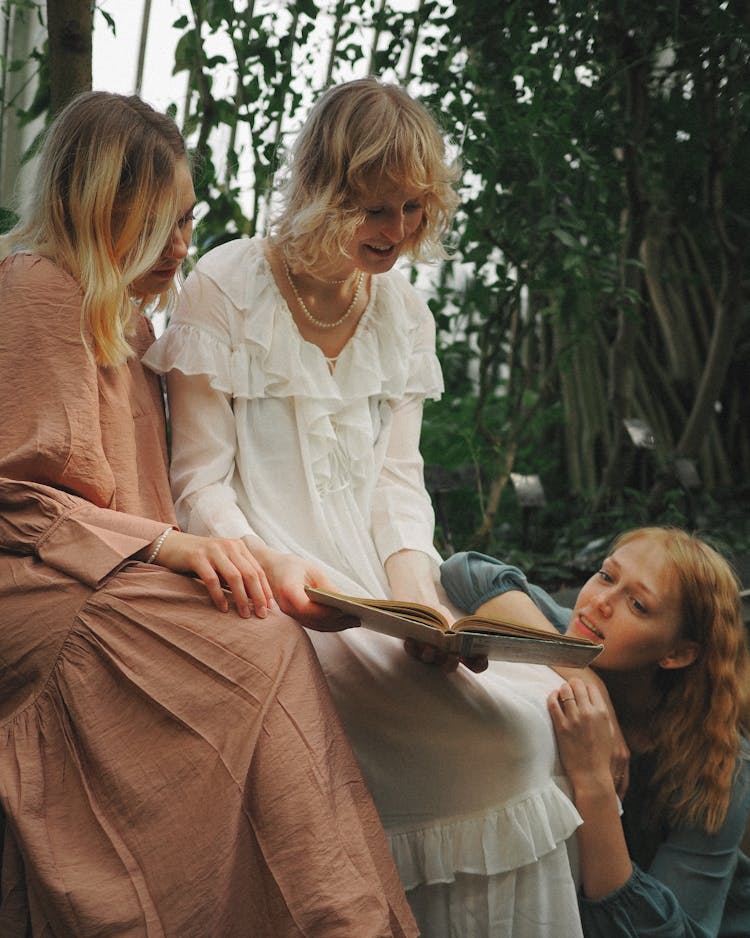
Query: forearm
518	606
604	859
413	575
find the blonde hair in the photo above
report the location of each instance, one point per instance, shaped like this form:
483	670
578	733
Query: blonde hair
705	707
358	136
103	207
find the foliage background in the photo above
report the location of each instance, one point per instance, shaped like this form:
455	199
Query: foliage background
593	319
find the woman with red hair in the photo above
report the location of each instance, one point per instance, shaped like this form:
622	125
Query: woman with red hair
666	607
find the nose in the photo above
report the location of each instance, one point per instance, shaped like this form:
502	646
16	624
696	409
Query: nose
393	227
603	600
177	248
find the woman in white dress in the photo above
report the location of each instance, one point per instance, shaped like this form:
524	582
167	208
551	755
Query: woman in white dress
297	368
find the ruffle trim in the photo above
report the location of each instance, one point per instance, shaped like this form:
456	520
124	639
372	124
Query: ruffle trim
384	357
384	360
512	836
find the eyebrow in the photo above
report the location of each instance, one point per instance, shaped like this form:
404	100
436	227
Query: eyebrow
639	584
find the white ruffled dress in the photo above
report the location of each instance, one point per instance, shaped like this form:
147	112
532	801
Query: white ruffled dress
268	439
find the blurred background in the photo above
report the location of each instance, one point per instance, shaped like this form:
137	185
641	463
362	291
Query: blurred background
593	317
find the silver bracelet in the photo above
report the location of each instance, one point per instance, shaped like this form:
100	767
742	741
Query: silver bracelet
157	546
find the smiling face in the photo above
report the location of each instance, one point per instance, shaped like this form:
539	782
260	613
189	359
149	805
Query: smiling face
393	217
158	279
632	606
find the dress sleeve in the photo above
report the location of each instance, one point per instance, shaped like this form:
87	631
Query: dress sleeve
68	533
195	353
58	485
203	457
402	513
471	579
684	892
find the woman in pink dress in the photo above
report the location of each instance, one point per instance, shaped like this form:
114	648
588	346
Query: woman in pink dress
170	763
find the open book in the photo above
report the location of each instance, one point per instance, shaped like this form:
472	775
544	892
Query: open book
473	635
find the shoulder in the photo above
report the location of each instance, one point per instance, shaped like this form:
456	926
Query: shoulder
394	343
32	272
40	300
228	302
218	284
396	287
400	308
228	263
225	283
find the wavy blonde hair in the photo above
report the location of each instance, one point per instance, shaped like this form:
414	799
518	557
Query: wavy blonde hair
103	206
360	135
705	707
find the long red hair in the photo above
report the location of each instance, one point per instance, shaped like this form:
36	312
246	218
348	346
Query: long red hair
705	707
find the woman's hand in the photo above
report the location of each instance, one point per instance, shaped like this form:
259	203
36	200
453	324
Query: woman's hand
288	576
430	654
221	564
620	751
586	737
586	741
414	577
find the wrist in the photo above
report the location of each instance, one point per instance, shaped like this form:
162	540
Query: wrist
156	546
412	573
594	790
260	550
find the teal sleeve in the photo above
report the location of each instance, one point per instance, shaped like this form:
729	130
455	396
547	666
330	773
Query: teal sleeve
470	579
698	885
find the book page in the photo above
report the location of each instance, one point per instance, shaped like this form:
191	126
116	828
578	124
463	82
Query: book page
509	627
395	607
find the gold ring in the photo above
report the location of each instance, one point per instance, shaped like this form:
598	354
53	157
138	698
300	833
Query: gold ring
566	699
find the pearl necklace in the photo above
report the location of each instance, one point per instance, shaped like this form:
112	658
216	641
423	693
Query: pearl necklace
330	282
308	315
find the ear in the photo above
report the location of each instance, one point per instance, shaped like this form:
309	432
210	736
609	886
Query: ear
681	656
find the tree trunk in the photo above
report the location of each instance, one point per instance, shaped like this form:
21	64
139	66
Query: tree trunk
22	34
69	27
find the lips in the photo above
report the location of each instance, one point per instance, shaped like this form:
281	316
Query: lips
589	626
164	272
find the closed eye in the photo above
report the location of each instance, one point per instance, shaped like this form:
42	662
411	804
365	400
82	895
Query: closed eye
186	219
638	606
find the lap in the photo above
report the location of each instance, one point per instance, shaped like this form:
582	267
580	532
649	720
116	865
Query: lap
144	619
159	741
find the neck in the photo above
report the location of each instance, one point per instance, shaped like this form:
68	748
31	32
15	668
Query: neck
321	297
635	697
326	281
